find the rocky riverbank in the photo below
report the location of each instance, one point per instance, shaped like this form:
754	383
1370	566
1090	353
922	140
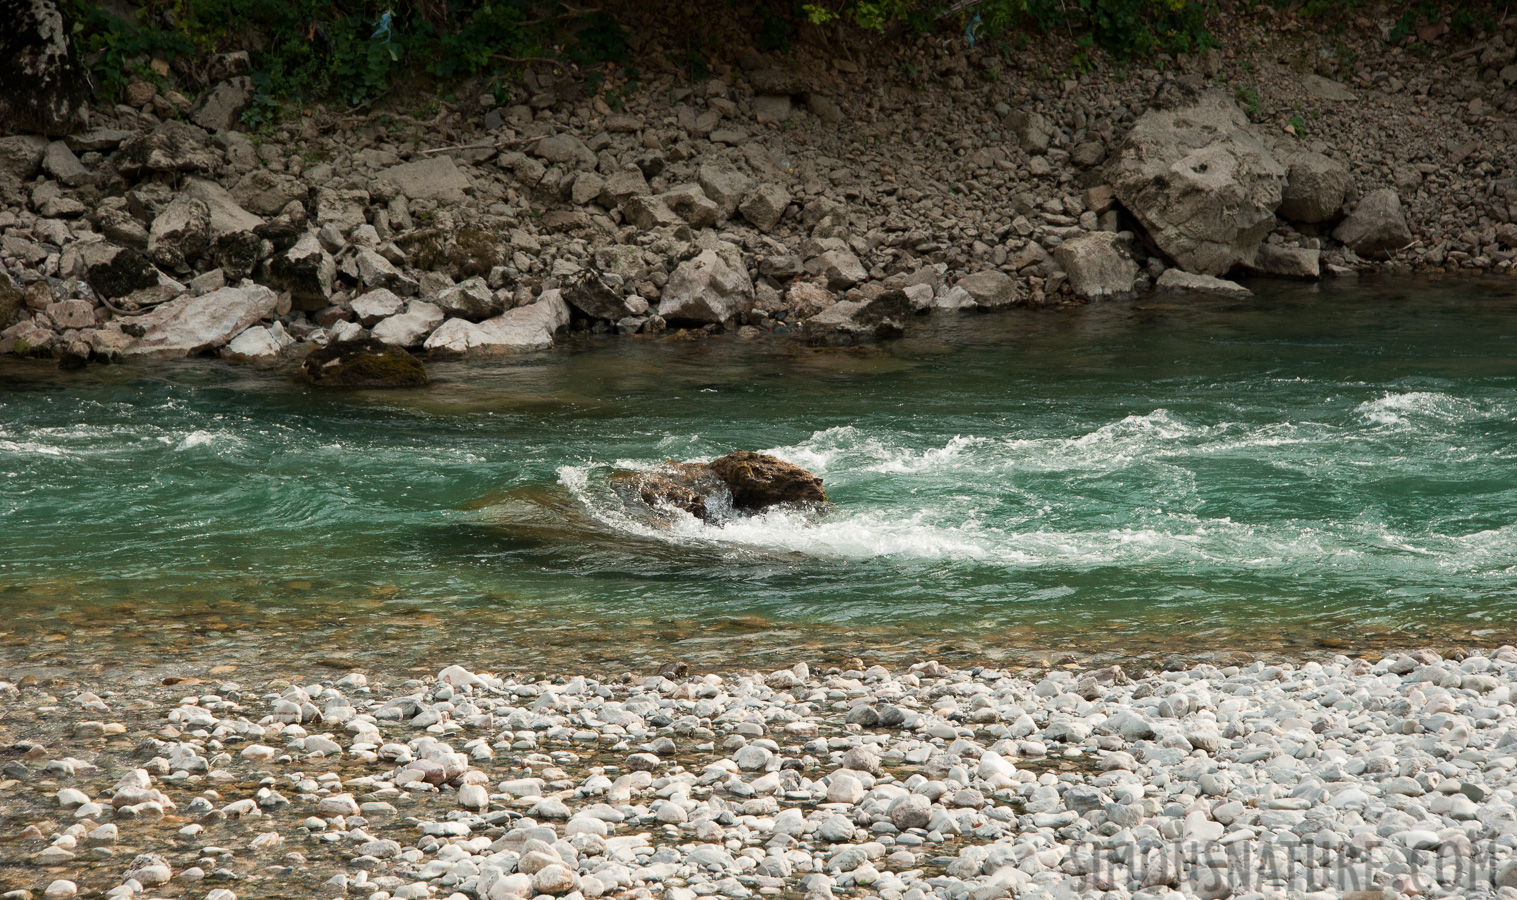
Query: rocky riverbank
833	193
1345	777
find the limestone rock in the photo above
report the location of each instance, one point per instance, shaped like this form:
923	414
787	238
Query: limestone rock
117	271
714	287
180	233
220	109
725	187
806	299
1376	225
991	289
1176	280
1289	262
47	88
1315	188
1199	181
858	321
410	328
519	330
362	364
472	300
305	270
765	206
171	147
1032	131
259	344
597	296
61	163
191	325
838	267
267	193
626	183
20	160
690	203
1098	266
377	305
226	214
647	213
433	178
236	252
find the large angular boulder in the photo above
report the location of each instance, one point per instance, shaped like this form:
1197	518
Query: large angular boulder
1098	265
219	109
1315	188
180	233
410	328
171	147
20	160
362	364
1176	280
1193	173
714	287
472	300
267	193
191	325
47	88
305	270
724	187
991	289
764	206
598	296
519	330
227	215
859	321
116	271
1376	226
433	178
688	487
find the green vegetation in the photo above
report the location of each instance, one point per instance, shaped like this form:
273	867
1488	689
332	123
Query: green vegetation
352	52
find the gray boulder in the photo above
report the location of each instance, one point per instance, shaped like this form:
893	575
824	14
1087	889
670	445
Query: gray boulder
410	328
267	193
1289	262
690	203
646	212
714	287
305	270
47	87
180	233
433	178
61	163
598	296
219	109
1198	180
625	184
765	206
724	187
376	306
860	321
1376	226
1315	188
374	271
519	330
171	147
991	289
116	271
191	325
1098	265
226	214
20	160
1032	132
472	300
1176	280
838	267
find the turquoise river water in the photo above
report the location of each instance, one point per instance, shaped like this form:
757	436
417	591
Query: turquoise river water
1310	469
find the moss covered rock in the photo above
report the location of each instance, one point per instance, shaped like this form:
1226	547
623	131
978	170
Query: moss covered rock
364	364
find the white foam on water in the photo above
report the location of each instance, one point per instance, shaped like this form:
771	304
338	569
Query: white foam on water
1407	408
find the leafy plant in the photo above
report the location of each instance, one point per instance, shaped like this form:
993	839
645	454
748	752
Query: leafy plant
1248	98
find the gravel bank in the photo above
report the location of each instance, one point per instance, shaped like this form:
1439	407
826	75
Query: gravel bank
1345	778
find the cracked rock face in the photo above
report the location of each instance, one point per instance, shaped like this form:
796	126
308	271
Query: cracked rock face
35	51
1198	179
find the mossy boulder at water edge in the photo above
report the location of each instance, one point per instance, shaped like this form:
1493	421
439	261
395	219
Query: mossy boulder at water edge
742	481
364	364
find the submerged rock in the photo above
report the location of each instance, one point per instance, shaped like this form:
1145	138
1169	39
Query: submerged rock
367	363
742	480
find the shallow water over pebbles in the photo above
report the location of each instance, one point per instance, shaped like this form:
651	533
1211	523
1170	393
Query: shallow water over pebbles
1308	469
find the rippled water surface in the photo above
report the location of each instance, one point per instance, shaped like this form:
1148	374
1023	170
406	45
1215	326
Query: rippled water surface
1327	467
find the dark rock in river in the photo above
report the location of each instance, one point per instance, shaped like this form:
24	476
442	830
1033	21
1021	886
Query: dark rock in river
758	481
363	364
742	480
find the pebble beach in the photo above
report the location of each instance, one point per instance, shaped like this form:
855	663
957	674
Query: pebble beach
1342	777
